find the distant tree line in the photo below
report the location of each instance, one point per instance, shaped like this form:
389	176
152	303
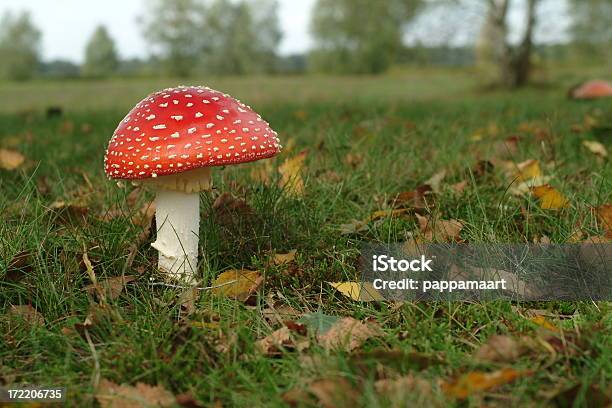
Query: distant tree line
238	37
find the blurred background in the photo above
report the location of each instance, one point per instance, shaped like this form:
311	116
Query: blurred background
493	43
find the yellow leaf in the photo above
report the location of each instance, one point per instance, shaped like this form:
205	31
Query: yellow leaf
542	322
361	291
10	160
604	213
291	178
478	381
237	284
549	198
596	148
528	169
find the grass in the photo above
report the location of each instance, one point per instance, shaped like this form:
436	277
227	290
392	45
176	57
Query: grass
402	132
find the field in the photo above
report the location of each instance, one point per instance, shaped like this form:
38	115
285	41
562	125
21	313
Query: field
363	141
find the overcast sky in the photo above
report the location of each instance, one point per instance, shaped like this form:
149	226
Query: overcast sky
67	24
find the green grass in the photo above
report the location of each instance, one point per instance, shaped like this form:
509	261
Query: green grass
407	128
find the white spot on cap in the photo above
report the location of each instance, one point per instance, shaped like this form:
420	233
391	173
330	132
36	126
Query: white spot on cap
175	135
150	117
160	126
177	117
199	114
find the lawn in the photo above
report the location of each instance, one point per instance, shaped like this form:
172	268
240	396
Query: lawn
362	141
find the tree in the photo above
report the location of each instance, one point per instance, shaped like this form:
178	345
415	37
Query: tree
101	58
19	47
592	26
175	30
514	61
359	36
243	37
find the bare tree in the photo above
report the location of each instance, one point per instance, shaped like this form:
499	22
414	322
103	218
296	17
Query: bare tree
513	60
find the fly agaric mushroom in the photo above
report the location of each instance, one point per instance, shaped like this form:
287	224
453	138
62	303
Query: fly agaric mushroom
592	90
168	142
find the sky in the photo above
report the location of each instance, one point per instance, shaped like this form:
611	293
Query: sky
67	25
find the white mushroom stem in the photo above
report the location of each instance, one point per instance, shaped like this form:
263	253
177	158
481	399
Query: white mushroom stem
178	222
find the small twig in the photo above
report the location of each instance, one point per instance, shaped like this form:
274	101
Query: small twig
169	285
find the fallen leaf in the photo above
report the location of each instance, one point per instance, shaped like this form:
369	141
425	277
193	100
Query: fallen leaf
348	334
440	230
353	159
459	187
319	322
290	171
543	322
112	286
604	214
27	314
19	266
361	291
478	381
334	393
10	160
402	389
237	284
596	148
417	198
499	349
353	227
436	180
549	198
527	170
111	395
280	259
274	342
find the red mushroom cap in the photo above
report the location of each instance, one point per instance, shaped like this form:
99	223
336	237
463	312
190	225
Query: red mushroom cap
184	128
592	90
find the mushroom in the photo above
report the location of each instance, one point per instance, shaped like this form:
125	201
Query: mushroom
592	90
169	142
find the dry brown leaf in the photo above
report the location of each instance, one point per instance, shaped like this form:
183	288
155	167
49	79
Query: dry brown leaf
27	314
361	291
111	286
549	198
237	284
478	381
353	227
111	395
459	187
274	342
440	230
353	159
348	334
596	148
334	393
398	391
291	174
604	214
10	159
499	349
435	181
419	198
280	259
